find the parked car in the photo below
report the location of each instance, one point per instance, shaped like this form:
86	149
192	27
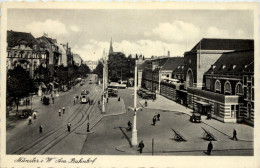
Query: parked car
24	113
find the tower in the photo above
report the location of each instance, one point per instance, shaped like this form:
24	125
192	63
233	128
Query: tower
111	47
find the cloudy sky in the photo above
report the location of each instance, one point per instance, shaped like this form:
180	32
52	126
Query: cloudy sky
147	32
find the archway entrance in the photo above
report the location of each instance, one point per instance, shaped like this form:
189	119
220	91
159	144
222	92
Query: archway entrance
189	78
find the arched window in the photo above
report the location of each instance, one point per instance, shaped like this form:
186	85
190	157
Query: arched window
239	89
189	78
217	86
227	88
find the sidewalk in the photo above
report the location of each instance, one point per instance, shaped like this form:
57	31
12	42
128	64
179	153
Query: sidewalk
244	132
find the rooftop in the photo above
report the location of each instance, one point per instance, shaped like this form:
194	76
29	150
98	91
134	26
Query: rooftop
224	44
233	62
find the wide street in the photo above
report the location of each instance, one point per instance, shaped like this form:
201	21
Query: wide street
108	135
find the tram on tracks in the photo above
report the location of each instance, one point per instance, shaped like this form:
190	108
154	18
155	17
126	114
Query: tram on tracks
84	97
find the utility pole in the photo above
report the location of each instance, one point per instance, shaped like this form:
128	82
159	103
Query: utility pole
103	102
135	109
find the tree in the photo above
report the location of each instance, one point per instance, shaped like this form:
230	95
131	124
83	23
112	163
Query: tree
19	85
99	69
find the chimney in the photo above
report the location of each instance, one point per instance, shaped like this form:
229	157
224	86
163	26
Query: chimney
169	54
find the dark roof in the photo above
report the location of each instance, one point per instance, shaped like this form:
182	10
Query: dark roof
224	44
172	63
14	38
181	64
47	39
233	62
162	61
145	64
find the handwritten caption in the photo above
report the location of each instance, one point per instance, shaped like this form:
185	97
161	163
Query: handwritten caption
55	160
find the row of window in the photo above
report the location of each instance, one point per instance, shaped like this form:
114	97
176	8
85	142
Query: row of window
248	91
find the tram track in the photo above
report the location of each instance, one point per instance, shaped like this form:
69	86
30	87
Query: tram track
64	134
40	139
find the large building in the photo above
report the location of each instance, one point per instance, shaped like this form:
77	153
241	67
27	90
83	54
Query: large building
91	64
23	49
200	58
216	76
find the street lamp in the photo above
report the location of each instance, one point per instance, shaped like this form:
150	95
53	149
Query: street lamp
135	109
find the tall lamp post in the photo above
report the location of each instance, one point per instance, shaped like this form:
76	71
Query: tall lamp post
103	102
135	109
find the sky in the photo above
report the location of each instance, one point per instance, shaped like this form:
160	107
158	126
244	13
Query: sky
146	32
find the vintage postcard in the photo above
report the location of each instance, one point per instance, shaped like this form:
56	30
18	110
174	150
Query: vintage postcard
129	84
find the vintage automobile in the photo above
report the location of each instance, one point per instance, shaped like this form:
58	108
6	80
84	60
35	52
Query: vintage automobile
24	113
196	117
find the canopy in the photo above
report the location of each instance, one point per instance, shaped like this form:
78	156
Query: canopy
203	103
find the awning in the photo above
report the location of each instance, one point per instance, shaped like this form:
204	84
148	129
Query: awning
43	85
203	103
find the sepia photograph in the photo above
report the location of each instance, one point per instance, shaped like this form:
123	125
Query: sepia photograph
128	82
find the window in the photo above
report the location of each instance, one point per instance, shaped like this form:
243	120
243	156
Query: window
253	93
218	86
245	92
227	87
208	84
216	109
239	90
253	81
245	80
232	111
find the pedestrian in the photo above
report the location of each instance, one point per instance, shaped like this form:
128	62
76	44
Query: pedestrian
141	146
63	109
88	127
234	135
154	120
34	115
74	100
59	111
40	128
210	147
52	100
129	124
107	99
158	116
69	125
145	103
30	120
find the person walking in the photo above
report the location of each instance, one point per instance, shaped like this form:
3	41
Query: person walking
88	127
107	99
59	111
234	135
34	115
129	124
63	109
69	125
52	100
210	147
30	120
74	100
141	146
154	121
158	116
40	128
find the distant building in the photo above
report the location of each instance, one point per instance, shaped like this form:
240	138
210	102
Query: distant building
77	59
53	50
91	64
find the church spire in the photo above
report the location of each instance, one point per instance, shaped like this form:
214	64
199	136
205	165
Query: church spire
111	47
